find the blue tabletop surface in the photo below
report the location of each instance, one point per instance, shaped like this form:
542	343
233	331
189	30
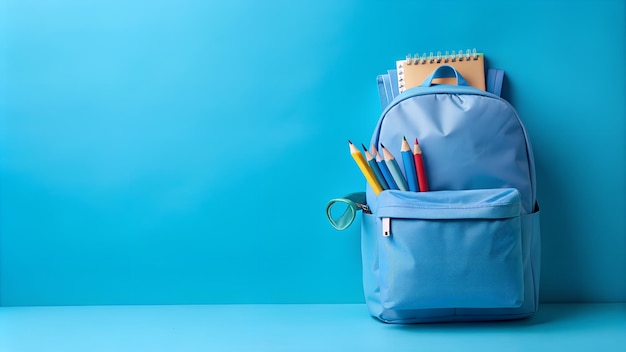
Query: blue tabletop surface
340	327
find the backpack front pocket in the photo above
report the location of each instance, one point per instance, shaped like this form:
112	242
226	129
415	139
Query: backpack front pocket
450	249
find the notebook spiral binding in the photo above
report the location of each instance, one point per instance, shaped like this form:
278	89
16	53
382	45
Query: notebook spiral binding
439	58
414	69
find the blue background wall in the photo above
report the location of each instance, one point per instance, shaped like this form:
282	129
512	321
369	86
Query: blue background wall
183	151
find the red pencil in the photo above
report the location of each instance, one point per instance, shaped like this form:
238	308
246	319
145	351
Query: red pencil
419	167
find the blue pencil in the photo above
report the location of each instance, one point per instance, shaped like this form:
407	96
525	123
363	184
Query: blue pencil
385	171
394	169
379	176
409	165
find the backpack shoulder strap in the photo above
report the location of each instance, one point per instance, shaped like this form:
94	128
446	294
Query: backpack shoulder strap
495	78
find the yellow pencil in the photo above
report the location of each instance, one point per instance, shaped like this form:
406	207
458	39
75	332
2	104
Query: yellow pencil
365	168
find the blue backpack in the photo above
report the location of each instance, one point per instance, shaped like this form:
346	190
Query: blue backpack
469	248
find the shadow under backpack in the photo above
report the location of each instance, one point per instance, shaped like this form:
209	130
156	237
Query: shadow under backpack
469	248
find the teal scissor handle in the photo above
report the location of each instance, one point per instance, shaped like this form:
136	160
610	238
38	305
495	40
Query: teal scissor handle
355	202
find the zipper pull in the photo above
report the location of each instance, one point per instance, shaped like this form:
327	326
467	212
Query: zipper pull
386	227
364	207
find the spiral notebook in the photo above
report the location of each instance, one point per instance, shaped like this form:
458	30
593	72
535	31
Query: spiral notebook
413	70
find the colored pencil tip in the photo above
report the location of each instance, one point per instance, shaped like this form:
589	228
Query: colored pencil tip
363	145
416	141
404	138
382	146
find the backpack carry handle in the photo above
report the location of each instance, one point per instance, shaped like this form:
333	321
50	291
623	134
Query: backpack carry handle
445	71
